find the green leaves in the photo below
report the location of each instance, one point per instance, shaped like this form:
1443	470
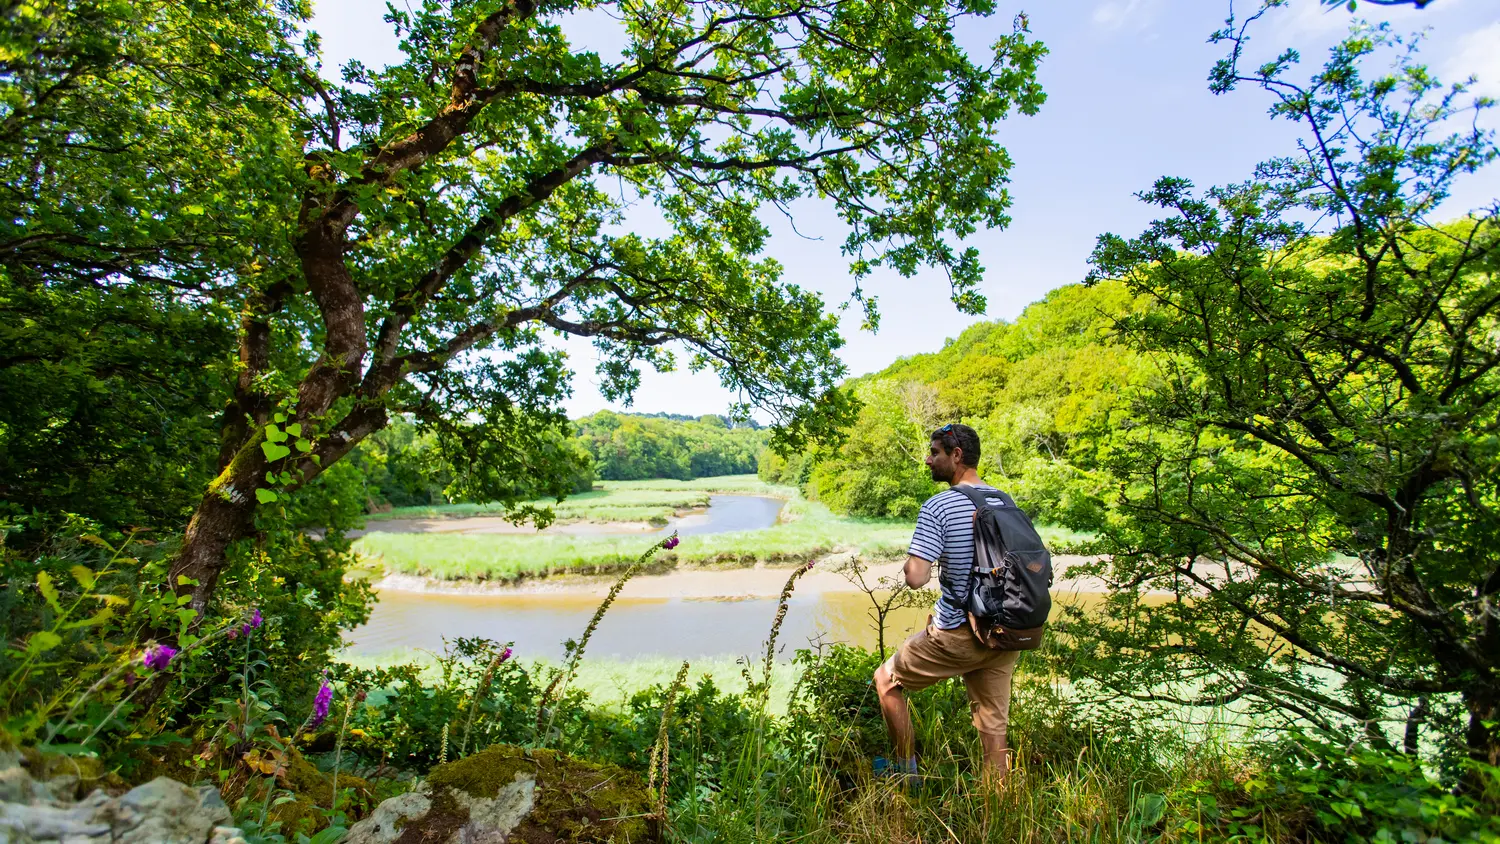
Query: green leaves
1307	468
49	591
41	642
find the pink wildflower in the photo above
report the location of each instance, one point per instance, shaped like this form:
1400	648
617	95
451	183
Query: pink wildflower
158	656
254	622
321	703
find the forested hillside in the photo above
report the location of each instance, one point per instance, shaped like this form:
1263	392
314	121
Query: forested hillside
1040	391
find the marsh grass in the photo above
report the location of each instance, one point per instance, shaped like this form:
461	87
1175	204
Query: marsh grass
610	501
808	531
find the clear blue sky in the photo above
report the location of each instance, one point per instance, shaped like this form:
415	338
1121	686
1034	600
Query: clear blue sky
1127	102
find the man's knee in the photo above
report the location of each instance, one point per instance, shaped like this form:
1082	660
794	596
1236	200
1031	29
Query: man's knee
885	683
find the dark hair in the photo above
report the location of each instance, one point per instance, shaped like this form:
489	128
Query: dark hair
955	435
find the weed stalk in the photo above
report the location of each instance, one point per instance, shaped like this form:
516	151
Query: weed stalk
559	683
661	750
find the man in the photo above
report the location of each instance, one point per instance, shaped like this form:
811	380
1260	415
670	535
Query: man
947	647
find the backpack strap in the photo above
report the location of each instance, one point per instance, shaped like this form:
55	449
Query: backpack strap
978	496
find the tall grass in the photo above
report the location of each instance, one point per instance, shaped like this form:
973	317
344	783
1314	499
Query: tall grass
808	530
609	501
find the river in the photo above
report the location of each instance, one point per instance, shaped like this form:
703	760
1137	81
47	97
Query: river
688	614
685	628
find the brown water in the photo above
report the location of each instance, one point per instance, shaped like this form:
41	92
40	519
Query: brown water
684	628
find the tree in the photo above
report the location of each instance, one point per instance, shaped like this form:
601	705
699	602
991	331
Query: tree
134	146
879	470
404	242
1314	476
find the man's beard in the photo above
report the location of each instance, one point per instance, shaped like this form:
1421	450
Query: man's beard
942	477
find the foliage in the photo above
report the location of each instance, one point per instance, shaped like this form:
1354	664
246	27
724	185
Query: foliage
879	471
1044	393
1313	478
399	467
403	465
323	255
1365	795
403	723
132	184
630	447
79	613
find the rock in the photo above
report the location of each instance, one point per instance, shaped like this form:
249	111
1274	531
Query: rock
384	825
165	810
227	835
511	794
25	824
162	811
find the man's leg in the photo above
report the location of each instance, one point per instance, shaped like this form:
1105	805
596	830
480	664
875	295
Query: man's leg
989	699
996	755
896	713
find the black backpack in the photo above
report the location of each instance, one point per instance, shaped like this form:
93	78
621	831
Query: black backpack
1008	601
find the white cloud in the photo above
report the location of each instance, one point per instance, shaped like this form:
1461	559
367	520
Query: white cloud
1477	53
1120	14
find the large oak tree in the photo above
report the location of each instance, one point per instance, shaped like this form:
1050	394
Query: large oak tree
406	240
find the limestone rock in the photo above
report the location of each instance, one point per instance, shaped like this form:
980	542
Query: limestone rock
511	794
384	825
162	811
165	810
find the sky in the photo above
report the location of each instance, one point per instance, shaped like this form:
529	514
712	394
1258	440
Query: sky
1127	103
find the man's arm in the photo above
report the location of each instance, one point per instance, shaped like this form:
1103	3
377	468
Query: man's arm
917	570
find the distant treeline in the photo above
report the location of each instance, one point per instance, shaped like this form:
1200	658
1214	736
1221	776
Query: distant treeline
402	465
628	447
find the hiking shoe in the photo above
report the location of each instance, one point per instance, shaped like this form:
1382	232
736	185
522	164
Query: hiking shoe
884	767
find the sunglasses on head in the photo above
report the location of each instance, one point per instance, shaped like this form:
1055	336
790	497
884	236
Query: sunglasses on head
946	428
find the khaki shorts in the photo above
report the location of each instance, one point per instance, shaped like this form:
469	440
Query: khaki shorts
931	655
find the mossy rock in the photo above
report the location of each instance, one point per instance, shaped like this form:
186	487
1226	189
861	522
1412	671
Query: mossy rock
70	776
516	795
312	795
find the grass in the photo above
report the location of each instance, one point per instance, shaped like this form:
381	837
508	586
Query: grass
807	530
609	683
608	505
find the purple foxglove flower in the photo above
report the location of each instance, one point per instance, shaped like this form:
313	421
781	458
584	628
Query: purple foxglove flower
670	543
505	654
158	656
254	622
321	703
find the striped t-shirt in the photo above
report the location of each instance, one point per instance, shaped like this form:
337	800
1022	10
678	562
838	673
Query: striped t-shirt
945	535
